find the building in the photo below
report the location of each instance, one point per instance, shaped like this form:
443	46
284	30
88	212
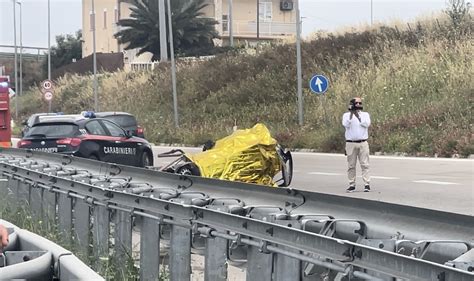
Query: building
276	20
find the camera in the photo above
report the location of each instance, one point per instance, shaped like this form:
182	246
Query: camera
352	106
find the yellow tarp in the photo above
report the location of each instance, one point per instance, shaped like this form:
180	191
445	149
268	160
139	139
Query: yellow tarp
247	155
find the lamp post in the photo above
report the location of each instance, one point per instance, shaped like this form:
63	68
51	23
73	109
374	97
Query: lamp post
94	59
298	65
371	12
49	49
16	62
173	66
21	52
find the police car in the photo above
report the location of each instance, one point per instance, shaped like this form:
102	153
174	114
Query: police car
88	137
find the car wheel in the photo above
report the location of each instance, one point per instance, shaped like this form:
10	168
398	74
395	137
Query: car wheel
189	169
145	160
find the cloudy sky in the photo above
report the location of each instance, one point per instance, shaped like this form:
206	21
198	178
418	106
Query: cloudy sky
317	15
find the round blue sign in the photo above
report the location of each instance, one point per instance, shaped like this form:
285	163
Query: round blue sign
319	84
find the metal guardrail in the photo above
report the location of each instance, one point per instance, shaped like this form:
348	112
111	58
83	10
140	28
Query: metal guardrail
32	257
282	234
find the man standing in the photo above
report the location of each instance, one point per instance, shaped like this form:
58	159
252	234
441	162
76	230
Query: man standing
356	122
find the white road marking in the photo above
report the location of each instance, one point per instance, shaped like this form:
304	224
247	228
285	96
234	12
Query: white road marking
384	178
436	182
325	174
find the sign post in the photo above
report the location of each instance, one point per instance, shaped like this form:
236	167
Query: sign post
47	90
319	84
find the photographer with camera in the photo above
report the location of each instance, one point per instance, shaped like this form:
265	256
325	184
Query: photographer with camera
357	122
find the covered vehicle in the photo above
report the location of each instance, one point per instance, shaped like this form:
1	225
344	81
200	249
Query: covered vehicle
96	138
249	155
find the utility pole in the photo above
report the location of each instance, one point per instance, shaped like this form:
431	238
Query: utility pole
94	59
258	19
371	12
21	53
49	49
298	64
162	23
231	24
173	66
16	60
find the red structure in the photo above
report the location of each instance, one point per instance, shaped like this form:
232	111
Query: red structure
5	117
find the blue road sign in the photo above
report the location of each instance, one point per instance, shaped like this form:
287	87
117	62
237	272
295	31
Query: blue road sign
319	84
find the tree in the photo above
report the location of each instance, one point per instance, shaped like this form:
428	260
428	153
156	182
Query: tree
67	49
192	33
458	10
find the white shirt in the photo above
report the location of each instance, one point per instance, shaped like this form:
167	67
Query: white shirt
356	130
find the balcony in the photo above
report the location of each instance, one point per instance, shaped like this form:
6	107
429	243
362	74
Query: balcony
267	29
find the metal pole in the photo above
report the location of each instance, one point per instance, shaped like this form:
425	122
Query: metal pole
21	54
94	59
258	19
298	64
173	66
162	23
371	12
49	48
16	60
231	23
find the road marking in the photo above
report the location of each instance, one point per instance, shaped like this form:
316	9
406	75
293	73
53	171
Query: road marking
384	178
325	174
436	182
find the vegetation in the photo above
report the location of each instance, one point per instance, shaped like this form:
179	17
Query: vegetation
416	82
192	34
68	49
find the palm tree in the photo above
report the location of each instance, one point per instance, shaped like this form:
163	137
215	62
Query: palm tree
192	33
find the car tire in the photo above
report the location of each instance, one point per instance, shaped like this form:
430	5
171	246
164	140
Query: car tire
189	170
145	160
93	157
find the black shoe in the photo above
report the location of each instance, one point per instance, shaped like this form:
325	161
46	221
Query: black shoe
351	188
367	188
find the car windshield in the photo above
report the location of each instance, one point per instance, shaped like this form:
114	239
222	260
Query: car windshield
53	130
122	120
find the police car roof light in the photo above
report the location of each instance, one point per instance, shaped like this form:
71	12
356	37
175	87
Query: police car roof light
88	114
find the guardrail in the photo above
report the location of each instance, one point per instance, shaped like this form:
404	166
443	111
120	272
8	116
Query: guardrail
282	234
32	257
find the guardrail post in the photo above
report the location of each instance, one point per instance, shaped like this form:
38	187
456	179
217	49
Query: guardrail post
180	254
123	238
150	249
101	236
287	268
36	202
5	190
82	227
216	259
65	216
23	193
49	208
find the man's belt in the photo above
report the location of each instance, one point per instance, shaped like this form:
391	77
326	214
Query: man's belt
355	140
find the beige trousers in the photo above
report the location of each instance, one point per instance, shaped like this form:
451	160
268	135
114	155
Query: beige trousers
356	150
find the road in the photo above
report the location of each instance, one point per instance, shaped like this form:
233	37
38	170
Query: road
433	183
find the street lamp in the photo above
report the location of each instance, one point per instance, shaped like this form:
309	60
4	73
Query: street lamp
298	65
21	53
16	62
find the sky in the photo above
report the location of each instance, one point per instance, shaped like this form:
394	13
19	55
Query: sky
329	15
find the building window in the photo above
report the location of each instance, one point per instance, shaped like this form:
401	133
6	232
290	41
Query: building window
265	10
92	20
105	18
116	15
225	23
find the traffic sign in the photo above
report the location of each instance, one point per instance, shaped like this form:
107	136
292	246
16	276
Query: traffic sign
47	84
319	84
48	96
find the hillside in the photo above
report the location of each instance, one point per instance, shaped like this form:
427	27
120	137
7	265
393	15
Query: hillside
416	82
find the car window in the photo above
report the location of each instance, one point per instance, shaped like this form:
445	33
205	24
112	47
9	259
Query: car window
53	130
115	131
31	121
122	120
94	128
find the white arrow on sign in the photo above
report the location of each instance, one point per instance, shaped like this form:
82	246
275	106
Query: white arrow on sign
48	96
319	83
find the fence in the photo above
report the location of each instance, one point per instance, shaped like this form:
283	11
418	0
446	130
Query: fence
281	234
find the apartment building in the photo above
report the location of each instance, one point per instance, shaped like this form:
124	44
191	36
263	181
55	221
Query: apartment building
253	20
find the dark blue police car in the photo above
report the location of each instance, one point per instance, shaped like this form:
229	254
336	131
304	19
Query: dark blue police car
93	138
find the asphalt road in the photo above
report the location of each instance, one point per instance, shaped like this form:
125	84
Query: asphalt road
433	183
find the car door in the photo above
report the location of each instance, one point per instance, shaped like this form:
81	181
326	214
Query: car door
97	139
122	151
